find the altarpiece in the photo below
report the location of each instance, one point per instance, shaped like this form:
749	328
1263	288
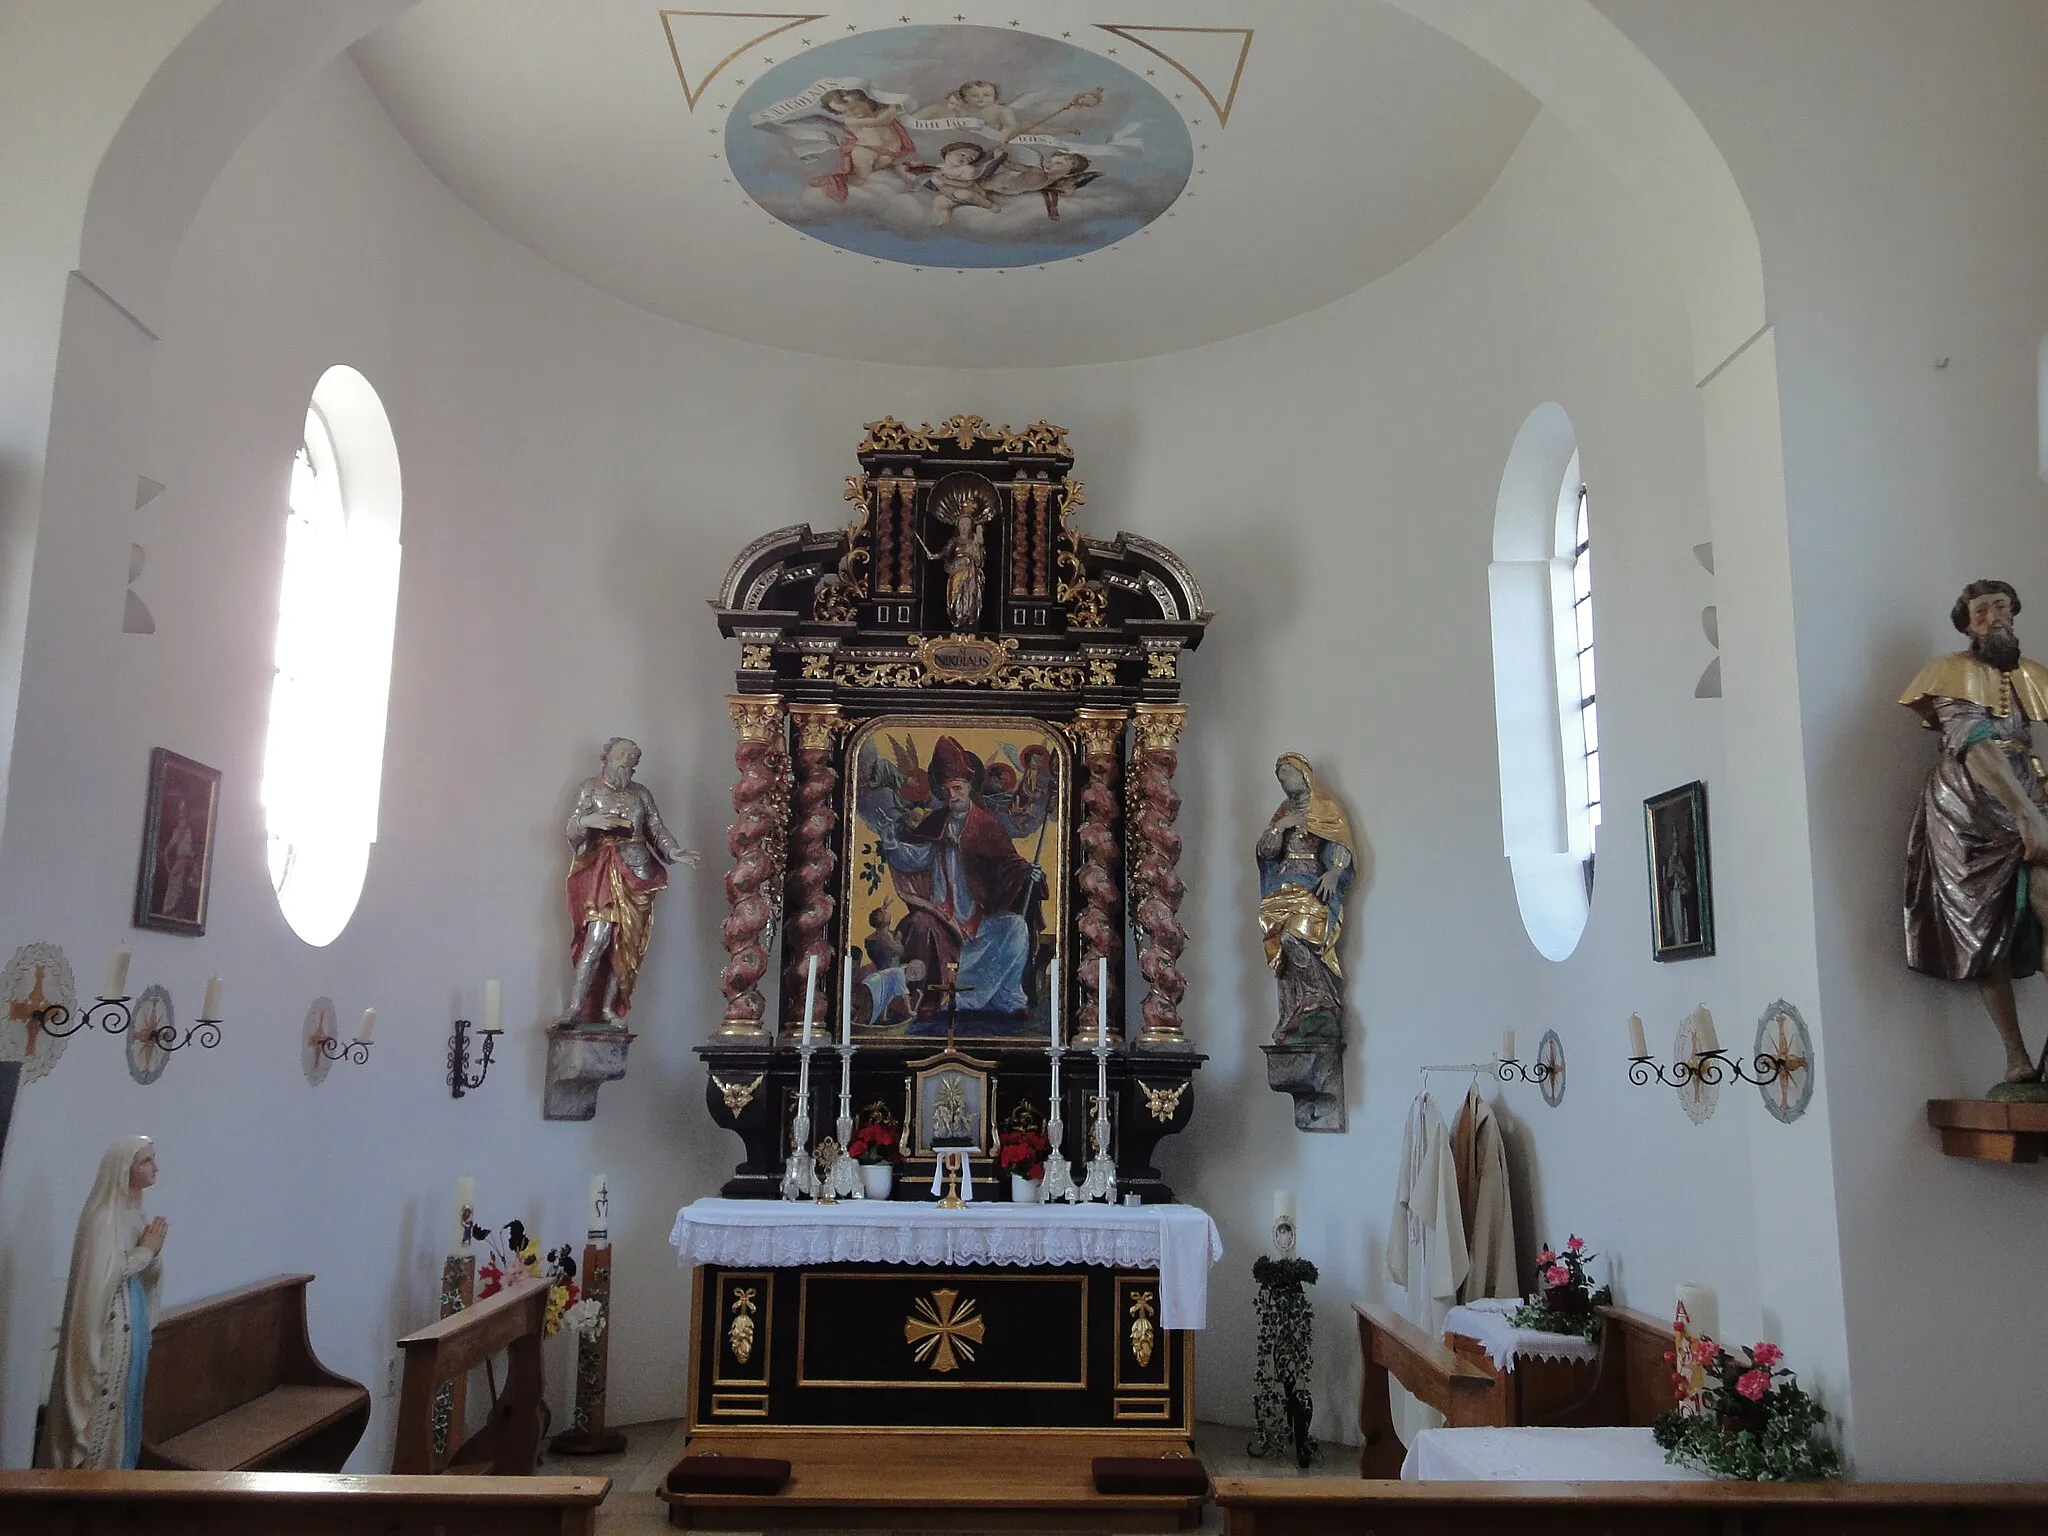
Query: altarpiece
959	719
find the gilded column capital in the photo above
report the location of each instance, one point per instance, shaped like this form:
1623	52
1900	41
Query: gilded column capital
1101	731
757	715
1160	725
816	725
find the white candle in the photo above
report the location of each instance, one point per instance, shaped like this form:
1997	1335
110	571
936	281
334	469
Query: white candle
369	1025
1507	1045
600	1211
211	1008
116	984
1283	1206
1637	1045
846	1003
1102	997
1053	983
1703	1037
465	1206
810	992
494	1007
1702	1309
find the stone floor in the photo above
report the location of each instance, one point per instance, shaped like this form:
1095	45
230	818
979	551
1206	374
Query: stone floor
651	1449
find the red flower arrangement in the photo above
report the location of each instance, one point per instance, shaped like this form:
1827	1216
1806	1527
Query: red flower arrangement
1024	1151
875	1142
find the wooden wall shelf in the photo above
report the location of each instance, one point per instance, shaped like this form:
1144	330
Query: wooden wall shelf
1988	1129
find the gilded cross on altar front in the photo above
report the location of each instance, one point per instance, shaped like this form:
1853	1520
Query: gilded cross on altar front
943	1330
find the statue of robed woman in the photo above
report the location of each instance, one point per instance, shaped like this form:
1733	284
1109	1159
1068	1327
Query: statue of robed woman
1306	860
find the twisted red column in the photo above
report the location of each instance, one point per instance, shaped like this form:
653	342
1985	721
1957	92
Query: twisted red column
1155	878
814	823
1097	927
756	840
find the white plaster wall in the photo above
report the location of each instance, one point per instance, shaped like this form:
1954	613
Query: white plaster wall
577	476
1895	156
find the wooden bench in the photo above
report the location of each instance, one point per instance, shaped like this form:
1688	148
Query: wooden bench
305	1504
1630	1383
514	1321
1329	1507
234	1387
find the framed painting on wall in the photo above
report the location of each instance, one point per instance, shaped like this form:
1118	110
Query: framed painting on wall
177	844
955	880
1681	873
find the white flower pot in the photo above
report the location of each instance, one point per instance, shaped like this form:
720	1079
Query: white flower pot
878	1179
1024	1191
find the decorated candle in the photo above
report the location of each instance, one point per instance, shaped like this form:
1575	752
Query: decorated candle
1703	1037
1507	1045
1637	1045
116	984
1702	1309
494	1007
369	1025
1283	1206
600	1211
465	1206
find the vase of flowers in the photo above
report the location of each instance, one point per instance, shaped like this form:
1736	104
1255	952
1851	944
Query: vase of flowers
1022	1155
1751	1419
877	1147
1565	1299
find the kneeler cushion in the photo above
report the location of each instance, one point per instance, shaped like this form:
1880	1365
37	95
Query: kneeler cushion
728	1474
1182	1476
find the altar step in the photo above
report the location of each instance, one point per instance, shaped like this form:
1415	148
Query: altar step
892	1480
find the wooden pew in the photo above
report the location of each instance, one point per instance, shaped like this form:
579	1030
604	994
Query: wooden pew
305	1504
507	1445
1329	1507
233	1386
1630	1382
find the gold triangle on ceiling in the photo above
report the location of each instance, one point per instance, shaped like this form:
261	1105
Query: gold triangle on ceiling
704	36
1213	46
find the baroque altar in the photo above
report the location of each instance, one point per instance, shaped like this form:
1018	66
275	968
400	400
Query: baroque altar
959	719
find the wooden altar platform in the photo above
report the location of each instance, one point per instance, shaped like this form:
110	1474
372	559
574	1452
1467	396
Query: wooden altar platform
909	1481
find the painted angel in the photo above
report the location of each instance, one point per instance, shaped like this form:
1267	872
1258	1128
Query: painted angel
868	134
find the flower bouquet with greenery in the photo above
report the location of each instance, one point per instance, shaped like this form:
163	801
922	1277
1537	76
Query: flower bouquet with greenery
1753	1421
1565	1300
875	1142
1023	1152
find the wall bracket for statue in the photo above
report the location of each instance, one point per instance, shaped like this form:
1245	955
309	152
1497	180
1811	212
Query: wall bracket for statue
580	1061
959	717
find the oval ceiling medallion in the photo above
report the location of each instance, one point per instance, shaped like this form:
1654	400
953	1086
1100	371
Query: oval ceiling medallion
958	146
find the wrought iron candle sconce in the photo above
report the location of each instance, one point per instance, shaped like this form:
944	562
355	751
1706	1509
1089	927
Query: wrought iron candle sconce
356	1051
1711	1068
459	1080
116	1017
1780	1065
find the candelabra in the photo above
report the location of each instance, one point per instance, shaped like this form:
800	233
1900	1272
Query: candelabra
1100	1180
459	1080
1710	1068
800	1174
844	1179
113	1015
1059	1173
358	1052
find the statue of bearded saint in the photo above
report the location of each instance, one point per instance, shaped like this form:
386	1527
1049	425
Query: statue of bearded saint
1976	896
1306	860
621	848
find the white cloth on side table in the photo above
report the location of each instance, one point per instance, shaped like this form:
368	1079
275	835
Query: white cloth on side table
1481	1160
1541	1455
1487	1321
1425	1245
966	1177
1180	1241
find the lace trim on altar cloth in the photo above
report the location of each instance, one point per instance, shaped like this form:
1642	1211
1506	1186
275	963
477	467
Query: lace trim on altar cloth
1486	1323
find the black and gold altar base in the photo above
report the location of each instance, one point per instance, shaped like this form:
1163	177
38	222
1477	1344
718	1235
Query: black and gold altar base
889	1346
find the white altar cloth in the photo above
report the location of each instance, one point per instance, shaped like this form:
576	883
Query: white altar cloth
1542	1455
1180	1241
1487	1322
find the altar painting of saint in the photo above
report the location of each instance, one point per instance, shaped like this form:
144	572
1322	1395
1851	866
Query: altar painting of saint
957	837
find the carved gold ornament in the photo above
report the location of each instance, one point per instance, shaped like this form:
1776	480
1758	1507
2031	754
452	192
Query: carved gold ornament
757	658
943	1329
1087	604
1143	1334
891	436
737	1096
963	658
818	666
816	724
832	602
1101	674
757	715
739	1333
1159	664
1160	725
1101	731
1163	1103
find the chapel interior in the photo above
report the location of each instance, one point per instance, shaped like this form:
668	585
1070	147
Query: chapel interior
844	770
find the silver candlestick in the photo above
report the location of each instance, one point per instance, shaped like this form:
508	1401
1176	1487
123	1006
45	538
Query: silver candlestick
1059	1174
846	1180
800	1175
1100	1181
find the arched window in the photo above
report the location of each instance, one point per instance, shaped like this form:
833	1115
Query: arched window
1545	705
323	757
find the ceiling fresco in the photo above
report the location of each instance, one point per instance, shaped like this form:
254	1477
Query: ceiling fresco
959	146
